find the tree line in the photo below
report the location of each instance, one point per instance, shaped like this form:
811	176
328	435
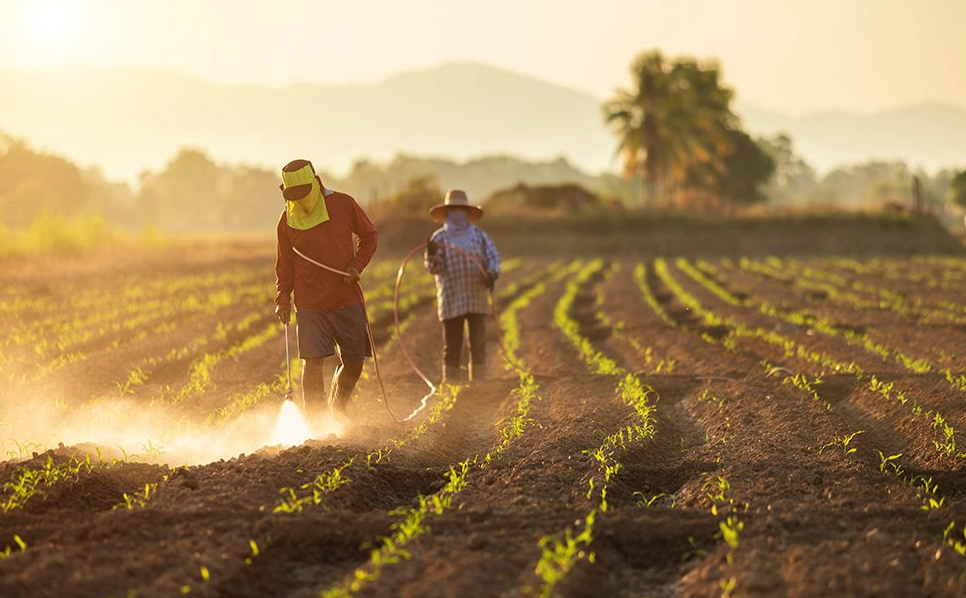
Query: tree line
681	145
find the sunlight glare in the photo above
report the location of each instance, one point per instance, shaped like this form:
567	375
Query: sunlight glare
51	27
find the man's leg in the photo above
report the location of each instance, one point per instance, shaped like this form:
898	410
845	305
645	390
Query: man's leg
315	343
452	349
313	385
343	383
477	329
352	337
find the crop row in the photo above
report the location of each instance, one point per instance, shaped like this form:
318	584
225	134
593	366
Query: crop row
412	521
926	490
595	360
618	328
888	390
856	294
77	322
141	310
561	552
936	422
313	492
69	346
918	272
923	486
47	309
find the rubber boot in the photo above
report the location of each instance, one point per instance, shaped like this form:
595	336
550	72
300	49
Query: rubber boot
477	371
452	374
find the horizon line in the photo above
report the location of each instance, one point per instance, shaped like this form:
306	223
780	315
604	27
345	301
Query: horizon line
748	104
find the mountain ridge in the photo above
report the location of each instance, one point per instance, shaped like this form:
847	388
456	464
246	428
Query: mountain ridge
128	119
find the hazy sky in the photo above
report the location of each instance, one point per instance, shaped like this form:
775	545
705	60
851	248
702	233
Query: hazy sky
794	56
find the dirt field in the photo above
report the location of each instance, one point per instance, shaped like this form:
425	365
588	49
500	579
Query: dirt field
687	427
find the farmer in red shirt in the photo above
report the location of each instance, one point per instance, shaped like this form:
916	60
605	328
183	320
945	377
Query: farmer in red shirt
319	224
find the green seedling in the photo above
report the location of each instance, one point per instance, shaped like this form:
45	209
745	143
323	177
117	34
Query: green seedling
644	502
955	543
884	461
843	442
558	557
694	551
6	552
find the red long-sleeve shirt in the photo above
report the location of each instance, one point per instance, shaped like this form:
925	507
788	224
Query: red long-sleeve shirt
330	243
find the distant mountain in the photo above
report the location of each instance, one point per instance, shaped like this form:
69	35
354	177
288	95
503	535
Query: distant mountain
930	135
130	119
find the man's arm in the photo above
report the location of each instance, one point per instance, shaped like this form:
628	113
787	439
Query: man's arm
363	227
433	259
491	257
284	266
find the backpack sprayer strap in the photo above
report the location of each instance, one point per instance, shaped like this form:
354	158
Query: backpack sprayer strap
319	264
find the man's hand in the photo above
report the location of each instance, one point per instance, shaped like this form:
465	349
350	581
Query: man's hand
490	279
284	312
431	248
353	276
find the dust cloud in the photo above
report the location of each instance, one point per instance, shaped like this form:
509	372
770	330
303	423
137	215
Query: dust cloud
129	429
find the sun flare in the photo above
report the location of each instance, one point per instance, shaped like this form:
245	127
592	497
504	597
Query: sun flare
52	28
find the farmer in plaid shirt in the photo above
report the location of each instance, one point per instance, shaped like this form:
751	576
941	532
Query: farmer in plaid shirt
461	286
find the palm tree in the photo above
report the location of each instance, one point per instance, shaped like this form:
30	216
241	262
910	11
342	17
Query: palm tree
673	122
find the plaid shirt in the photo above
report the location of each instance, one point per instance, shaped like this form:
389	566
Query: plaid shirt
460	286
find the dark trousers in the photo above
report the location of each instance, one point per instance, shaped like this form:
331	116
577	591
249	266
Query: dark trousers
453	338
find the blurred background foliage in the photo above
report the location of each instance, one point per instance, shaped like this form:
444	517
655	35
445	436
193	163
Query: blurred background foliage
193	193
682	147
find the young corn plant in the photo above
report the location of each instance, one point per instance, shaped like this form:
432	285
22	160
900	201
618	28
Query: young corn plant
645	502
138	499
844	442
730	526
558	557
322	485
29	482
958	545
8	550
801	382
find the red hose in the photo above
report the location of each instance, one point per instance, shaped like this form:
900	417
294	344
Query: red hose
399	338
493	305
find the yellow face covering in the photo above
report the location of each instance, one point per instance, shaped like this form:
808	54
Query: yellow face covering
310	210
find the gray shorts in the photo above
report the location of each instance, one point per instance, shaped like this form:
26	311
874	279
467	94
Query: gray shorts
319	332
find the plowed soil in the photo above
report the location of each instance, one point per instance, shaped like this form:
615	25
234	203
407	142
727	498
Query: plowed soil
841	490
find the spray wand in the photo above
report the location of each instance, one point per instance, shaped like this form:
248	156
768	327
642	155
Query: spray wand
288	367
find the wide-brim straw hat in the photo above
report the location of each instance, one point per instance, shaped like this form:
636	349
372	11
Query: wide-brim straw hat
456	198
